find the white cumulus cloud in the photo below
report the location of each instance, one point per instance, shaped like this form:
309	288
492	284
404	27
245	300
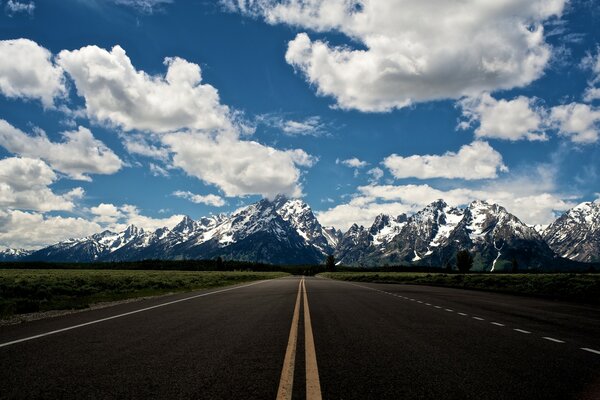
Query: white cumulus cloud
27	71
24	184
513	120
31	230
185	124
78	155
477	160
579	122
412	50
118	94
237	167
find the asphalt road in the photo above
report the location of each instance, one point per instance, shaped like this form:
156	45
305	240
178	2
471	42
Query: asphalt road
358	341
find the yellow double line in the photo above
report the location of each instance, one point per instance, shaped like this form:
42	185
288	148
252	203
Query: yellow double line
313	386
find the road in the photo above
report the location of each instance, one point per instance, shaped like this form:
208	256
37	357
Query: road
357	341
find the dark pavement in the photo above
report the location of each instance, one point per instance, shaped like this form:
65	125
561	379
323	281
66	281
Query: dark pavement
371	341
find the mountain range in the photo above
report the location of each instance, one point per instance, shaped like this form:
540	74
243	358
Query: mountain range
286	231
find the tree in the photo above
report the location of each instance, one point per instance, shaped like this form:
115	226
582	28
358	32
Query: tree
464	261
448	266
220	265
330	262
515	265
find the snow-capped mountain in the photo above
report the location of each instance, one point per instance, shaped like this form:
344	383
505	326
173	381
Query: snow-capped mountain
7	255
282	231
434	235
576	234
285	231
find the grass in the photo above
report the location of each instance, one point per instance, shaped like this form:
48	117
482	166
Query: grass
26	291
584	288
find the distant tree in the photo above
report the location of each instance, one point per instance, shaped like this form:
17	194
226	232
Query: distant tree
515	265
448	266
330	263
464	261
219	264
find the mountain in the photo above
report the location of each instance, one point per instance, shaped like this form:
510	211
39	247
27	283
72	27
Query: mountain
8	255
286	231
433	236
282	231
576	234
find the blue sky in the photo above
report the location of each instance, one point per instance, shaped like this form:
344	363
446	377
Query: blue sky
139	111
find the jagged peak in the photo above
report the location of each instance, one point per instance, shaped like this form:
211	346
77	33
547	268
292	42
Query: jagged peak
185	224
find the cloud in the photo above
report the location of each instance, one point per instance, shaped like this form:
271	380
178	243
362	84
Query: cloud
157	170
352	163
522	118
376	174
141	145
410	51
531	194
209	199
117	94
28	71
117	218
513	120
145	6
186	125
15	7
310	126
24	185
592	62
371	200
477	160
78	155
32	230
237	167
578	122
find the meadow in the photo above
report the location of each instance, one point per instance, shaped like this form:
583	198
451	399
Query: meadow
583	288
33	290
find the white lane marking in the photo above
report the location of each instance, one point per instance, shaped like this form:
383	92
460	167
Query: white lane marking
427	304
590	350
463	314
412	299
419	301
497	323
437	307
123	315
449	309
521	330
552	339
479	319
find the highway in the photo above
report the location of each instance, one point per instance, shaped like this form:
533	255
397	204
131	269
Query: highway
310	338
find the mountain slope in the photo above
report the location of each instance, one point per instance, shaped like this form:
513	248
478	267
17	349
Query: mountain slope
576	234
434	235
281	231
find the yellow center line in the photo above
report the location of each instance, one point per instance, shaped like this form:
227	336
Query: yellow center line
313	385
287	373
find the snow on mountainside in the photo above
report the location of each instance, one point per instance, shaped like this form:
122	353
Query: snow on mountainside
576	234
286	231
433	236
13	254
279	231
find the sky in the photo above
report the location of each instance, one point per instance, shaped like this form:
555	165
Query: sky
118	112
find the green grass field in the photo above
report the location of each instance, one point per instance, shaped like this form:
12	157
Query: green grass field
26	291
583	288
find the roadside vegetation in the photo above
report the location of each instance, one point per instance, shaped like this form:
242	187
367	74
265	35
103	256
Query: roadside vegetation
584	288
33	290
